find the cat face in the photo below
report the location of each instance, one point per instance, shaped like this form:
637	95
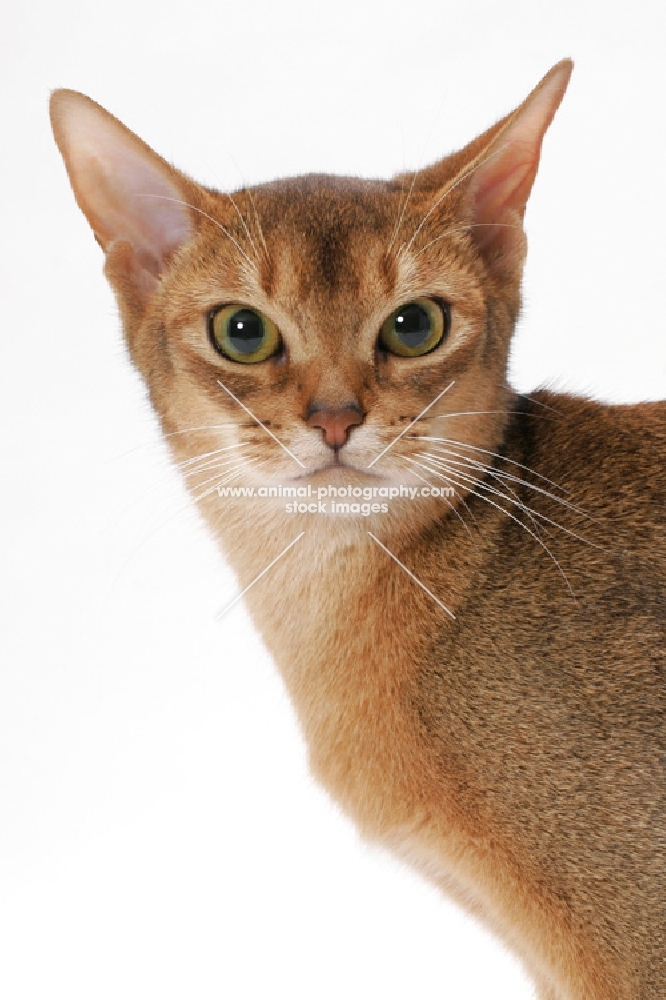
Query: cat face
329	299
319	328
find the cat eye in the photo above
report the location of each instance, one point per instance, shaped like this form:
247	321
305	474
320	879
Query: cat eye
415	328
243	334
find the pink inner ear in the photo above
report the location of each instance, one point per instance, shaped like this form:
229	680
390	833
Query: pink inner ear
502	182
135	202
127	192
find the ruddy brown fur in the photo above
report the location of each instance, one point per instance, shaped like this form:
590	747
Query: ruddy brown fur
506	738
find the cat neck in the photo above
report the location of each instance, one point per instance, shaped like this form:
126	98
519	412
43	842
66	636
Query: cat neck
348	623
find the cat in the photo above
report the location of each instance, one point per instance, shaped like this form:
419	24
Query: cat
479	672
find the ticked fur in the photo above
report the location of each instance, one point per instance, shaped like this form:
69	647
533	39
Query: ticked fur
507	737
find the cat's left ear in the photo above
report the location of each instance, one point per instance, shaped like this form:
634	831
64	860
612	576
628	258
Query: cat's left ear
131	197
496	177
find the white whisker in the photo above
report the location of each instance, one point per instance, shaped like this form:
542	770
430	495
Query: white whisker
223	470
446	193
244	223
259	226
531	399
415	175
259	576
179	201
489	470
518	503
410	574
263	426
421	414
470	413
452	506
222	479
185	508
401	214
462	229
493	470
494	454
187	462
186	430
482	496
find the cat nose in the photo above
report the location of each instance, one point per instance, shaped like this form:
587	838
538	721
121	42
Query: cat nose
336	424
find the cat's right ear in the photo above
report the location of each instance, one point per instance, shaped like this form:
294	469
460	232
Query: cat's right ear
493	175
132	198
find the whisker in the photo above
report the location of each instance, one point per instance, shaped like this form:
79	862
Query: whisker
263	426
478	481
415	175
524	507
186	430
201	427
156	488
452	506
537	402
496	474
494	454
223	468
190	467
183	508
461	229
248	191
502	476
179	201
215	463
401	215
244	223
221	480
517	520
411	424
211	485
259	226
447	192
187	462
493	470
481	413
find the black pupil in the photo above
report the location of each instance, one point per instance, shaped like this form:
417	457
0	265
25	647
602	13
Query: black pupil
412	324
246	331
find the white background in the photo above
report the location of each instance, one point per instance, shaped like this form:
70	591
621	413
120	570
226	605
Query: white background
159	833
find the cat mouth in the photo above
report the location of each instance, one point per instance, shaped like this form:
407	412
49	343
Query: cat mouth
337	471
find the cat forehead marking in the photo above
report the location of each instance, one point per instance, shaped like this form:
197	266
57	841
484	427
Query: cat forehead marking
329	232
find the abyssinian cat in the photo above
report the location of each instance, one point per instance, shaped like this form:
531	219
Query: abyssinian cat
479	672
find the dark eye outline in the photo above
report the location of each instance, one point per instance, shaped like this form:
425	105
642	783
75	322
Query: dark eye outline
428	301
275	344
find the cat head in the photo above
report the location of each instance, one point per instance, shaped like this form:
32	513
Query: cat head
298	329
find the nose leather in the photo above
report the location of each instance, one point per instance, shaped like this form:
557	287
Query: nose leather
336	424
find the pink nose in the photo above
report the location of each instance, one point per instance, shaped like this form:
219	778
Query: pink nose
336	424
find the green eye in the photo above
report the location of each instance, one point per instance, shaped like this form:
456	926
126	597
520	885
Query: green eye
415	328
243	334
